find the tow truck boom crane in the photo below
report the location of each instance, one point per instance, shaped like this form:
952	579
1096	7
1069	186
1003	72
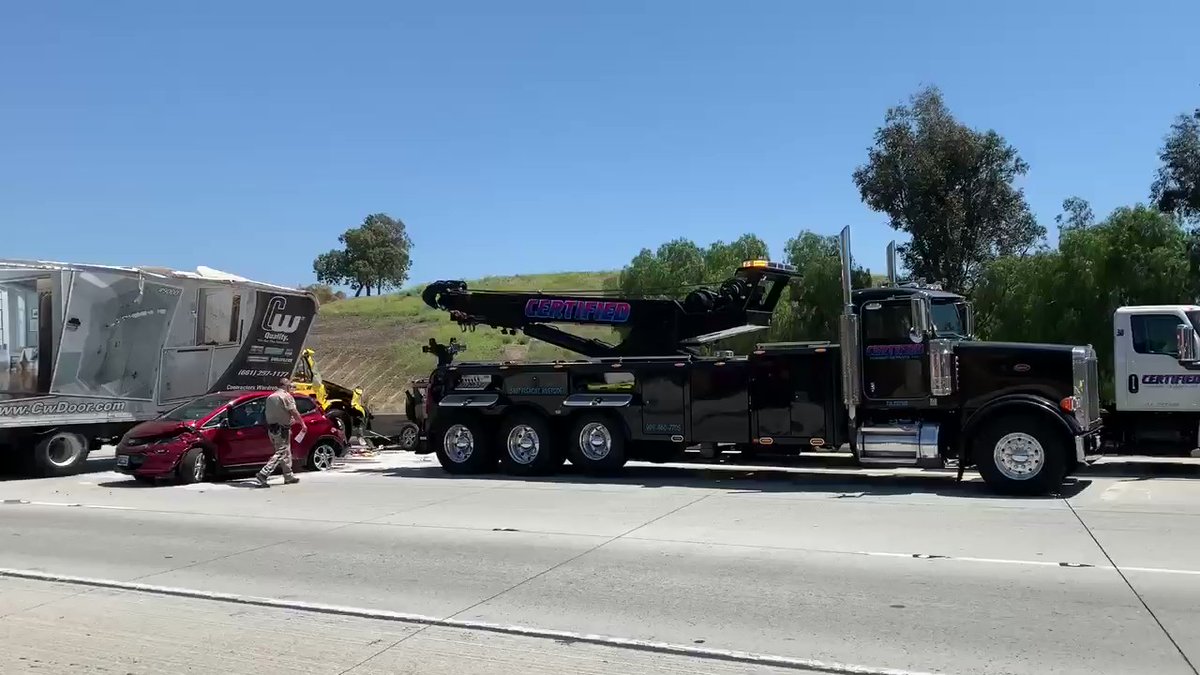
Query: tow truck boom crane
649	326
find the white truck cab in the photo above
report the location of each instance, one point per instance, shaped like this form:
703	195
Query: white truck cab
1157	379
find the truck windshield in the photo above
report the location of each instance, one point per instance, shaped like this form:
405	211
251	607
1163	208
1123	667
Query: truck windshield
949	319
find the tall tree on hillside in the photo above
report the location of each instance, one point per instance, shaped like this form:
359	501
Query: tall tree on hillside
950	188
1176	189
375	256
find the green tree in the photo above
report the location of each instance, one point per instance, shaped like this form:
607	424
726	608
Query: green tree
375	256
950	188
1176	189
679	265
324	293
810	308
1136	256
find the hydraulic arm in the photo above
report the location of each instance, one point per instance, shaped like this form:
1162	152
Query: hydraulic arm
646	326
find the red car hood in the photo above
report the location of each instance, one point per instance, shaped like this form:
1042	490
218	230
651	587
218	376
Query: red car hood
155	428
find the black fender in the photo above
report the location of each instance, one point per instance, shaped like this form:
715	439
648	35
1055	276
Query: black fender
1013	403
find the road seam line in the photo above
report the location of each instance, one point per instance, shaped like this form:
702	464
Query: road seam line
1136	594
737	656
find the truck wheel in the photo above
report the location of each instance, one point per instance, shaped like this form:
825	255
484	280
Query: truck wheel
59	453
462	447
526	447
596	445
1020	455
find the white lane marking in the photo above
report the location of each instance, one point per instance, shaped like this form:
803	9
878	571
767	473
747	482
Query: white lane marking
965	558
874	554
737	656
1159	570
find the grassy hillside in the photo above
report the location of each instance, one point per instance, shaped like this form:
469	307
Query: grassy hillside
376	342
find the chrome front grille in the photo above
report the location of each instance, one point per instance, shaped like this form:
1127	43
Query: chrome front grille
1085	373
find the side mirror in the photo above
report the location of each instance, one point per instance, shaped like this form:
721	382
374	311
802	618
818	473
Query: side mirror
224	423
970	327
919	306
1185	340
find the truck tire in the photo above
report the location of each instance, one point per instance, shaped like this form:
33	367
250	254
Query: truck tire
1021	455
462	446
526	447
59	453
596	445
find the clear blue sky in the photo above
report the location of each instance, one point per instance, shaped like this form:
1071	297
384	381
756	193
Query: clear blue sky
540	136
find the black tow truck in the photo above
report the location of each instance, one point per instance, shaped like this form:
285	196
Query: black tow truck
907	385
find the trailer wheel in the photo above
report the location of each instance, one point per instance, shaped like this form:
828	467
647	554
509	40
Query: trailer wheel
462	446
1020	455
526	446
596	445
59	453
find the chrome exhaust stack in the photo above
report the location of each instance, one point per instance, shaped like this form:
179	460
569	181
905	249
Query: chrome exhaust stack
848	327
891	263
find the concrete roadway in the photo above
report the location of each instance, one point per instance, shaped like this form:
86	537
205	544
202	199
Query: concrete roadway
879	569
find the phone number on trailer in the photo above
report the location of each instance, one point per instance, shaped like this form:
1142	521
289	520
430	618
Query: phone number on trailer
250	372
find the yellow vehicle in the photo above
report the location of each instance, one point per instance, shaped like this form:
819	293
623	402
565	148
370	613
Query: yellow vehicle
345	407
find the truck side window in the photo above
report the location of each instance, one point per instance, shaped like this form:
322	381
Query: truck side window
302	374
1155	333
886	324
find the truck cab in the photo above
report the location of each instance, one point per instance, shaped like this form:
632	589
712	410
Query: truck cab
1156	379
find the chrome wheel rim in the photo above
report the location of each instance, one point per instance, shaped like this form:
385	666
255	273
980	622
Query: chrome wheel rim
408	437
523	444
1019	456
595	441
198	468
458	443
323	457
64	450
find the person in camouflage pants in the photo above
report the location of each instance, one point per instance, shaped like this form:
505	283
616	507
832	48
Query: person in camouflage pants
281	415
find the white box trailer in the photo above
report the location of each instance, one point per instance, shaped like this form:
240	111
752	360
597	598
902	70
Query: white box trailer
88	351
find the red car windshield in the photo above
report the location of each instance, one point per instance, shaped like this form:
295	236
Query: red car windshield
196	408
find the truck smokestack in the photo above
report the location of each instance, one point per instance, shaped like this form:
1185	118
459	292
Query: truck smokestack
891	263
844	241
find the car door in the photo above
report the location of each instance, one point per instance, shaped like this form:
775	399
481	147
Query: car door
246	439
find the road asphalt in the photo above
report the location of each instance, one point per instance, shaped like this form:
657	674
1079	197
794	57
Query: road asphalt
667	569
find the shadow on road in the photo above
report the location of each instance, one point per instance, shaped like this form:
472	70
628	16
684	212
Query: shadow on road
867	482
92	465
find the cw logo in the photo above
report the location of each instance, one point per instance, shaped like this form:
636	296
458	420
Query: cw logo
275	321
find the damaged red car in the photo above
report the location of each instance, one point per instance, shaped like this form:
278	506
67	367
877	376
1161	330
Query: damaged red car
220	434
